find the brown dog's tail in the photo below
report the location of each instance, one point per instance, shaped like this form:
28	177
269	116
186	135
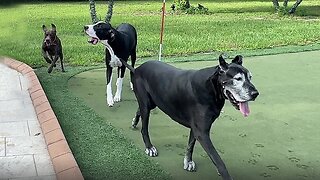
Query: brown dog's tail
127	65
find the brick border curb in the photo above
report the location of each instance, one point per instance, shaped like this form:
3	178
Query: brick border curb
64	163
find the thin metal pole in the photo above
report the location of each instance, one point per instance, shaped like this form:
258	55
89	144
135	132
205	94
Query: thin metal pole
162	28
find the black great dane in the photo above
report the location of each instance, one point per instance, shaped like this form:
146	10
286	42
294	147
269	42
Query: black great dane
120	42
193	98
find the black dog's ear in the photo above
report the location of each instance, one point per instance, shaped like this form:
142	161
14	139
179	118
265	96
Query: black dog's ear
223	64
44	28
53	27
237	60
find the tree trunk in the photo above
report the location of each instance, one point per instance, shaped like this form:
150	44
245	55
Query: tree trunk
294	7
276	4
110	10
187	4
93	11
285	3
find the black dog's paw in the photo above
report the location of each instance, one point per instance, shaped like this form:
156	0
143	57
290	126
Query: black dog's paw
189	165
152	152
134	123
63	70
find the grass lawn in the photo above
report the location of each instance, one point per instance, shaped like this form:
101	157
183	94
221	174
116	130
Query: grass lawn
279	140
231	26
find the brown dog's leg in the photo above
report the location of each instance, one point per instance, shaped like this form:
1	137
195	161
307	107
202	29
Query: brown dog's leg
61	61
53	63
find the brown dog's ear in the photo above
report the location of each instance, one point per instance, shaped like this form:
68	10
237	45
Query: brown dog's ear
223	64
44	28
53	27
237	60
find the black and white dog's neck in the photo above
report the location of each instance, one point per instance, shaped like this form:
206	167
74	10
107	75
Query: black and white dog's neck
120	43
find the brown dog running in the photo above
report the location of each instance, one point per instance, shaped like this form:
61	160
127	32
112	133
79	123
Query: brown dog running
52	48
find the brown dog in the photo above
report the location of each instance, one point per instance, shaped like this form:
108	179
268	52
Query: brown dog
51	47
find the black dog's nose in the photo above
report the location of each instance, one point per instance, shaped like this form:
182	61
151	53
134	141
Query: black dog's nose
254	94
86	27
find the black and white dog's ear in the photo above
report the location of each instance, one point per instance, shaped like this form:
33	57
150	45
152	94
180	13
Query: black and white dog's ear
44	28
53	27
223	64
112	35
237	60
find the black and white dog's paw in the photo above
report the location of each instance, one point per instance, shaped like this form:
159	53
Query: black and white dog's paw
189	165
117	97
152	152
110	101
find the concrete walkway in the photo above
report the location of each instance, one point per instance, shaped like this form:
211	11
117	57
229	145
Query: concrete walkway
23	151
32	143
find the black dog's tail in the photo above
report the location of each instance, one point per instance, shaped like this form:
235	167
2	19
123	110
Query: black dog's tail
127	65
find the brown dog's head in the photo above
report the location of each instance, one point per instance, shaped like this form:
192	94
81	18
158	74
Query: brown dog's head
50	36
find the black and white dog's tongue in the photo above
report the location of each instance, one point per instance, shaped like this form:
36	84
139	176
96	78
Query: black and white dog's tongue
93	41
244	108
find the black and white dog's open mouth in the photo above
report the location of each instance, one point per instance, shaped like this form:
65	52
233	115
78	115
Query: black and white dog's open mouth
242	106
93	40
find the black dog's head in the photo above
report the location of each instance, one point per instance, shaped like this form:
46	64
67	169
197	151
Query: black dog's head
236	83
50	36
101	31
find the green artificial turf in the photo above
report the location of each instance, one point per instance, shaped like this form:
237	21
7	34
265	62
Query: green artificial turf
101	151
279	140
231	26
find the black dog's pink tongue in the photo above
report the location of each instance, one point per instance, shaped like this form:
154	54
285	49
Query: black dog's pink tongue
244	108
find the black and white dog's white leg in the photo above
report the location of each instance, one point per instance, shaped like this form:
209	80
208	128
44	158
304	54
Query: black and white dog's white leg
188	163
109	81
117	96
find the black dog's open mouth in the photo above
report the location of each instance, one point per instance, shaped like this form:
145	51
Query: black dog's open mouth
242	106
93	41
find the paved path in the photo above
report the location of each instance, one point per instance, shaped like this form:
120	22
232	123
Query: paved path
23	152
32	143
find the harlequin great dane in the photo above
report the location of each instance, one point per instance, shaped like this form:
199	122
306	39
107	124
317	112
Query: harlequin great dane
193	98
120	42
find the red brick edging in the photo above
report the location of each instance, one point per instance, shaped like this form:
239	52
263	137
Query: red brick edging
64	163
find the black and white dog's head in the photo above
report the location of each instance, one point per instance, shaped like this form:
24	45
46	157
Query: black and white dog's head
50	35
236	83
101	31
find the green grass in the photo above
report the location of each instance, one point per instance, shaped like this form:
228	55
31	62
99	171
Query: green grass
231	26
277	141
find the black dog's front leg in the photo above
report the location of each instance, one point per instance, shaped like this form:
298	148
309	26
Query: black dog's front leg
205	141
188	164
